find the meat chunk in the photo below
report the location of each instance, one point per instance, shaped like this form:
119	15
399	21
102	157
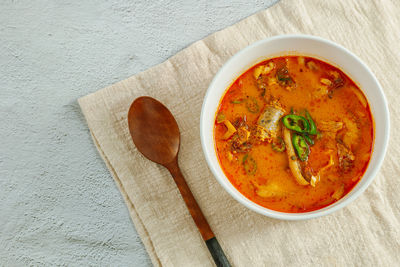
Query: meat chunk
243	134
329	83
270	190
326	81
268	122
261	75
338	192
284	78
312	65
263	69
241	141
330	126
337	79
346	157
238	147
320	91
351	136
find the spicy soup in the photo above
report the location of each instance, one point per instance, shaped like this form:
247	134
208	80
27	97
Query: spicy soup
294	134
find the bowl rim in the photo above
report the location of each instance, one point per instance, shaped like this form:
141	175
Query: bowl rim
330	208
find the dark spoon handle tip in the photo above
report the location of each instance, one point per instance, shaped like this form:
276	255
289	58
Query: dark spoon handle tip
217	253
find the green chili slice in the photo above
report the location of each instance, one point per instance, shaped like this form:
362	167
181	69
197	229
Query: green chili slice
220	117
308	139
296	123
252	105
301	147
313	127
279	146
249	164
236	101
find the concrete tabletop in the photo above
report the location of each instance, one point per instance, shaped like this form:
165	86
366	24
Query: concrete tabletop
58	203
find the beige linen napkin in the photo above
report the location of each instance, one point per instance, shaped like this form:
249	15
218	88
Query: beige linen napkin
367	232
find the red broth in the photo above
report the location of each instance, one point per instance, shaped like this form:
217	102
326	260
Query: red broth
249	130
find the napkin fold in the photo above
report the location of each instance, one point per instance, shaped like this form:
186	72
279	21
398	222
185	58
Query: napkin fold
365	233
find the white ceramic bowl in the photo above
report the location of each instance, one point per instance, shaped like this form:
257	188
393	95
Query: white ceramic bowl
306	45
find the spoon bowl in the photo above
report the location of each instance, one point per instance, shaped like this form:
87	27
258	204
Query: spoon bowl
154	130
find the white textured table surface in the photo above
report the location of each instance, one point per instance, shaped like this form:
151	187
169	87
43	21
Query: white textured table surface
58	203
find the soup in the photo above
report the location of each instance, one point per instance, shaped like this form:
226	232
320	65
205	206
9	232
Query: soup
294	134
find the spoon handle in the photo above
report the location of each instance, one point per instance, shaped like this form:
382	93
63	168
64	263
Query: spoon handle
217	253
212	243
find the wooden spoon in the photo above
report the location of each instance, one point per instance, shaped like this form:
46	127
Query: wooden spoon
156	135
